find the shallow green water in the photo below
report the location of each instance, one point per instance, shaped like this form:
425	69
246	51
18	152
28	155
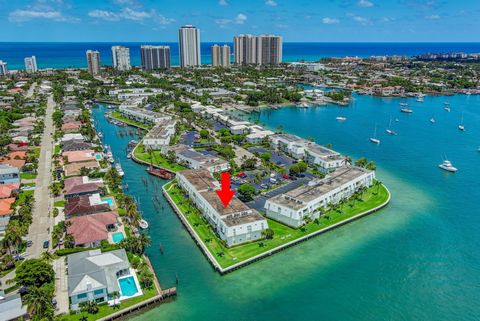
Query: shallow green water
418	259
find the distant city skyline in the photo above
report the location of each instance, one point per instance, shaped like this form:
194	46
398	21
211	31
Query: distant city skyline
220	20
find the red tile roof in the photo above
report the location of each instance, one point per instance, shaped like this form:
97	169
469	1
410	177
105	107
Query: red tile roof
6	190
90	228
80	205
5	206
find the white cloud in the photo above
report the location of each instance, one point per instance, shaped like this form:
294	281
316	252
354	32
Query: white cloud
281	26
223	2
329	21
25	15
365	3
271	3
130	14
361	20
433	17
239	20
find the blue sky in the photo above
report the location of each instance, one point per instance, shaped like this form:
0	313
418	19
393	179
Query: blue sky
220	20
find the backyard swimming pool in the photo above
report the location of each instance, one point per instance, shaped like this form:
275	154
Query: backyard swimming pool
117	237
98	156
128	286
108	200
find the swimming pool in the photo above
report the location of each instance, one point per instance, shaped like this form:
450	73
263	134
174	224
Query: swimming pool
108	200
128	287
98	156
117	237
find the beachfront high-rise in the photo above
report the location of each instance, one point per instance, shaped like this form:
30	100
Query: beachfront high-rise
121	58
257	50
189	46
155	57
93	62
31	64
220	56
3	68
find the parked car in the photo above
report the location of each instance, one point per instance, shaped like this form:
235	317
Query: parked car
29	243
242	175
46	244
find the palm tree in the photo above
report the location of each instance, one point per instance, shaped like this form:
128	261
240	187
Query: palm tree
48	256
39	301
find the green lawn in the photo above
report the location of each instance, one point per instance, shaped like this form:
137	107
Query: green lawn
118	116
282	233
105	310
59	204
28	176
158	159
58	149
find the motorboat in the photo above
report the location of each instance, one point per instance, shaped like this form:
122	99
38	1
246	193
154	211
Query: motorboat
129	155
432	120
341	118
119	170
461	127
406	110
143	224
403	104
447	166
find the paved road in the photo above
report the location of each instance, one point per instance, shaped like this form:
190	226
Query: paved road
41	227
31	90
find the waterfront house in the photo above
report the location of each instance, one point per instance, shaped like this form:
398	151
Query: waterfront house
83	189
234	224
75	145
91	230
9	174
85	205
74	169
293	207
95	276
9	190
79	156
71	126
70	136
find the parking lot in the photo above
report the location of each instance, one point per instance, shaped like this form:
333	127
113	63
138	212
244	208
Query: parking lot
276	157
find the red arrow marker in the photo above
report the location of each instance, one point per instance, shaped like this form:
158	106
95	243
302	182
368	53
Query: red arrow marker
225	194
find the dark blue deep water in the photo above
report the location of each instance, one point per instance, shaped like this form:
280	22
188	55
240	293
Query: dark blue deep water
62	55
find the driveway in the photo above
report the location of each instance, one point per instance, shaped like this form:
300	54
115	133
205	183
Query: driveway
61	285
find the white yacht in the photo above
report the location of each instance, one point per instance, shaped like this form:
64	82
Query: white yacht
447	166
119	169
341	118
389	130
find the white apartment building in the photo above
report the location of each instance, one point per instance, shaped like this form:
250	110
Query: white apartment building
124	94
189	46
130	110
192	159
31	64
221	56
160	135
121	58
324	158
293	207
3	68
235	224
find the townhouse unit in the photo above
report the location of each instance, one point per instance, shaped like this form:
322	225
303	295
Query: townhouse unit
195	160
234	224
324	158
291	208
161	134
124	94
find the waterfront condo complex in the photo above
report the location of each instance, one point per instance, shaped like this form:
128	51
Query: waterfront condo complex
259	159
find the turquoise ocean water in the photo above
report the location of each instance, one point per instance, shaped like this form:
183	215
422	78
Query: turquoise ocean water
418	259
